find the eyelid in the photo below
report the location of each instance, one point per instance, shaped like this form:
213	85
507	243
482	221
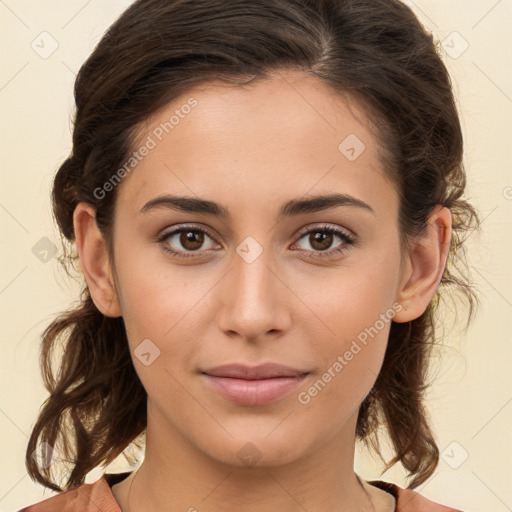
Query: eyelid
178	229
348	240
299	233
346	235
326	226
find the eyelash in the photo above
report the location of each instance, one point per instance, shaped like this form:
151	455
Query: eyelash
345	237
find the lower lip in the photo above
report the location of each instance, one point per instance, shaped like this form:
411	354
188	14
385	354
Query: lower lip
254	392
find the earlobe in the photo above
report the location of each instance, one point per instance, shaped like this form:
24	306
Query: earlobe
94	260
425	266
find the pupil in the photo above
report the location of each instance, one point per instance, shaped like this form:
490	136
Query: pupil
323	238
187	240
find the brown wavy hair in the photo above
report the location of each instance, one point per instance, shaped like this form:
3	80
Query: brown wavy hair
373	51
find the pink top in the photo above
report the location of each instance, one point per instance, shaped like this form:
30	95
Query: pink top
98	497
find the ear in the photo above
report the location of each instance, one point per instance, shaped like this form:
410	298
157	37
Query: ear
94	260
424	266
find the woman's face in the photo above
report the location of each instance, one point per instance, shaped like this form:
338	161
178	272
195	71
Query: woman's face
255	288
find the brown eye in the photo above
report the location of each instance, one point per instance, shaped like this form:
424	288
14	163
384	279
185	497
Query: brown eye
321	240
191	240
186	241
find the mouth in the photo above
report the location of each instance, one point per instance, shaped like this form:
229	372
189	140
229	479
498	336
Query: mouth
257	385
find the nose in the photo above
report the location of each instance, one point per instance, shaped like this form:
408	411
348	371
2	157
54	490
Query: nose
254	299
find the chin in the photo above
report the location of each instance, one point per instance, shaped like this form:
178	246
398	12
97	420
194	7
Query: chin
255	449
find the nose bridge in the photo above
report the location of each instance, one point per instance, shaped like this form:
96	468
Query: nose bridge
252	277
251	298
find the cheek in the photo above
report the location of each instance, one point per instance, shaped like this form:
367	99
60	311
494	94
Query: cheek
153	299
158	313
347	301
342	317
353	315
360	311
351	362
167	307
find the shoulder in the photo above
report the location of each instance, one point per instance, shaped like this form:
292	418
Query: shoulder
95	497
98	497
408	500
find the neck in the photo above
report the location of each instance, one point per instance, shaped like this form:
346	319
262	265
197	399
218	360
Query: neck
177	476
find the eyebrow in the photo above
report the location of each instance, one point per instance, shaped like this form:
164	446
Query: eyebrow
291	208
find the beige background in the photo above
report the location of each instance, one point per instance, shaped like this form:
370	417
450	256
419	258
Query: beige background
471	402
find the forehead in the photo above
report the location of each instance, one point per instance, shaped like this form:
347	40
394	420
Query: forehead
287	134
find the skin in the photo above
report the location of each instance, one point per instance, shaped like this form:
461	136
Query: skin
252	149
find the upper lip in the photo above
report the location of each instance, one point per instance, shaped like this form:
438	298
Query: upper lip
262	371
